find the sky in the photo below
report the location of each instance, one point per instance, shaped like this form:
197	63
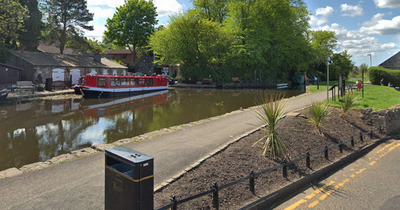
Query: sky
369	30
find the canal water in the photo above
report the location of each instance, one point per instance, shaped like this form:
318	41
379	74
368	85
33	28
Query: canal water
37	130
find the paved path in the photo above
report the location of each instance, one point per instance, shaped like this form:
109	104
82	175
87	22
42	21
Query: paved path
372	182
79	184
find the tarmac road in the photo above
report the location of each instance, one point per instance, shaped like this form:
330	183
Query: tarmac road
371	182
79	184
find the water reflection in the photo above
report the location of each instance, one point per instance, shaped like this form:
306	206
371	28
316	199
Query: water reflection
38	130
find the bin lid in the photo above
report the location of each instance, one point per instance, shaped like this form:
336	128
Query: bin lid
128	154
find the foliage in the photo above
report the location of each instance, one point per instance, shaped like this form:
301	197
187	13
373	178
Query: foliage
66	20
29	37
199	44
363	68
223	39
270	113
132	24
12	17
376	74
348	102
319	113
342	64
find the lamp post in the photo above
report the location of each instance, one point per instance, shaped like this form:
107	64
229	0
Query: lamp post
370	65
329	62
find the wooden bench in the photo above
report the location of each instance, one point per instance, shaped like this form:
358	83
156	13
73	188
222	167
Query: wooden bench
235	80
207	81
25	85
352	87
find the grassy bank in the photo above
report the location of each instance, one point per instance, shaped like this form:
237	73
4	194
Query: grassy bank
375	97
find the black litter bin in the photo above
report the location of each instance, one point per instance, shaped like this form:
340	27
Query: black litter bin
49	84
129	179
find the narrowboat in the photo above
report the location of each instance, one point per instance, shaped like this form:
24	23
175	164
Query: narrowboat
112	86
3	94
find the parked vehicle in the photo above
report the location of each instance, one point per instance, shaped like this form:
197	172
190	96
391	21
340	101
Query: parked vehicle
313	79
4	93
110	86
139	74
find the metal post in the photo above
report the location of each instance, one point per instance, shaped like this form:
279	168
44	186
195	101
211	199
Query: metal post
341	147
308	161
174	203
352	141
361	137
327	81
326	153
215	196
371	134
284	168
251	182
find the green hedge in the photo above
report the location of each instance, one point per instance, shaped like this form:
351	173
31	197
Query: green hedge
388	75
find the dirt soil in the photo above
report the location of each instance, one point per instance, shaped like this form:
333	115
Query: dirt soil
236	161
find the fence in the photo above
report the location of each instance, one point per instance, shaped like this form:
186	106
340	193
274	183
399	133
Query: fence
215	188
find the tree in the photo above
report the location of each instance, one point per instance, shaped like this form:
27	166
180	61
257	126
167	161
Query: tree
66	20
363	68
342	64
214	10
132	25
201	45
12	17
29	37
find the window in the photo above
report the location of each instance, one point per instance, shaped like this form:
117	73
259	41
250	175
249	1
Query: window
149	81
112	82
124	82
142	81
101	82
134	82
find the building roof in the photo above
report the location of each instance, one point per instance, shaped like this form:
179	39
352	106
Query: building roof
114	52
54	49
392	62
63	60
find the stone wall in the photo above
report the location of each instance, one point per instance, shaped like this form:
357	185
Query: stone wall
387	121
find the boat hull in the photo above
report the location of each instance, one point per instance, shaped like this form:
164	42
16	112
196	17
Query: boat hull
114	93
4	94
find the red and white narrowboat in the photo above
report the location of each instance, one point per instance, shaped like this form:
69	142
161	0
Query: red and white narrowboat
111	86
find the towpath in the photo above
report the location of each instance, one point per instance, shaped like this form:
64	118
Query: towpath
79	184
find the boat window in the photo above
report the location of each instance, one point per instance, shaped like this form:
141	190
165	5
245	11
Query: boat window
114	82
124	82
141	81
134	82
101	82
149	81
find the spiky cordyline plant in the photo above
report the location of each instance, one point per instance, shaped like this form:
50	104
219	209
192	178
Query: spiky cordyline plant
348	102
270	113
319	112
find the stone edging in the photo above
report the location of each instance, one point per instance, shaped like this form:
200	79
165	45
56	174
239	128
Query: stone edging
10	172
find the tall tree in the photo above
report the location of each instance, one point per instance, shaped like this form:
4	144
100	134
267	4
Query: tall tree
132	25
214	10
12	17
66	20
29	38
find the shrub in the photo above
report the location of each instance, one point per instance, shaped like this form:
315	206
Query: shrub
348	102
388	75
319	112
270	113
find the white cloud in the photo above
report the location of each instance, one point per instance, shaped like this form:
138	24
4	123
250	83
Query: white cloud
387	3
101	13
321	16
360	44
378	25
327	11
167	7
352	11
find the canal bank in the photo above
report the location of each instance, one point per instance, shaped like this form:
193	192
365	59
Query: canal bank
79	184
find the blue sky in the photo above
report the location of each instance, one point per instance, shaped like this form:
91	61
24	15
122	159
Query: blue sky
362	27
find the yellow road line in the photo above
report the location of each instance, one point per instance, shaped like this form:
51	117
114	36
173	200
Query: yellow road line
313	204
381	150
372	163
319	190
361	170
295	205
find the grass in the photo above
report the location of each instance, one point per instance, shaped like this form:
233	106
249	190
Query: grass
375	97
